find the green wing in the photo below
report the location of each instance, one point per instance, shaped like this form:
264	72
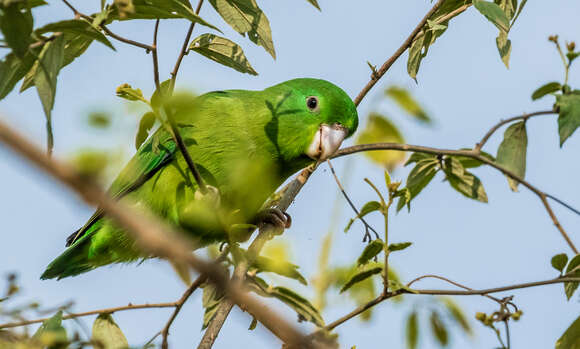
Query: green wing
151	156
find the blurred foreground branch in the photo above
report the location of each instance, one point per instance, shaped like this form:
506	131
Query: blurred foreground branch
152	236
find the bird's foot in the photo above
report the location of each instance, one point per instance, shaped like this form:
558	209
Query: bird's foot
275	216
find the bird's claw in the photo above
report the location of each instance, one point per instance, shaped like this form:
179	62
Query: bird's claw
275	216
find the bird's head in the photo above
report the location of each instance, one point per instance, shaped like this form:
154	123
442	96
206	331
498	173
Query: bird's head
310	118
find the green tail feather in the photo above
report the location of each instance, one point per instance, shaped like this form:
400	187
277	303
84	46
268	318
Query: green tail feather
73	261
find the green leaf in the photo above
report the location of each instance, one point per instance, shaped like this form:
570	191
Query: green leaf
370	251
398	246
457	314
493	13
511	153
49	63
420	176
436	25
157	9
504	47
16	25
559	261
78	27
12	69
129	93
522	4
145	125
468	162
160	94
548	88
571	338
463	181
302	306
210	300
412	330
380	129
572	270
280	267
395	285
75	45
438	329
569	118
107	333
315	4
51	333
245	17
407	102
361	276
223	51
369	207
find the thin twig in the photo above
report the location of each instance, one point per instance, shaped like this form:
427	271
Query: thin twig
92	312
399	292
523	117
155	57
152	236
356	211
107	30
178	305
183	51
389	62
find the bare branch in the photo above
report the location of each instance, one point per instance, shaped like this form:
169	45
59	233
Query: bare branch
155	57
368	227
471	292
492	130
474	154
153	236
93	312
178	305
106	30
184	50
389	62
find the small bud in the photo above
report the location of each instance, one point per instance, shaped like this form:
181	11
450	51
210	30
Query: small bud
553	38
571	46
480	316
516	316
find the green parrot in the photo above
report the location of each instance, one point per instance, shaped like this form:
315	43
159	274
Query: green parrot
245	145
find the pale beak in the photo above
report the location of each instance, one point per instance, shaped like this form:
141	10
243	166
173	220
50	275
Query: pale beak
326	141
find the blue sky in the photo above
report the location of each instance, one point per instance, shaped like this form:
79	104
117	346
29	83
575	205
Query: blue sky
463	85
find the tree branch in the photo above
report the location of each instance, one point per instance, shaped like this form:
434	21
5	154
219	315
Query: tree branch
93	312
183	51
389	62
178	305
471	292
152	236
267	232
474	154
155	57
106	30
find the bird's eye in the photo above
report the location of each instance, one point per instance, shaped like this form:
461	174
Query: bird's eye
312	103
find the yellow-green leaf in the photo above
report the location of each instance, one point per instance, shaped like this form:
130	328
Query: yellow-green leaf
569	118
108	334
438	328
407	102
361	276
463	181
145	125
16	25
380	129
370	251
572	270
245	17
512	152
559	261
548	88
223	51
76	27
571	338
504	47
493	13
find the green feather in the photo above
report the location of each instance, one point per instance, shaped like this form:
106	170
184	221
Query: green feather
245	143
